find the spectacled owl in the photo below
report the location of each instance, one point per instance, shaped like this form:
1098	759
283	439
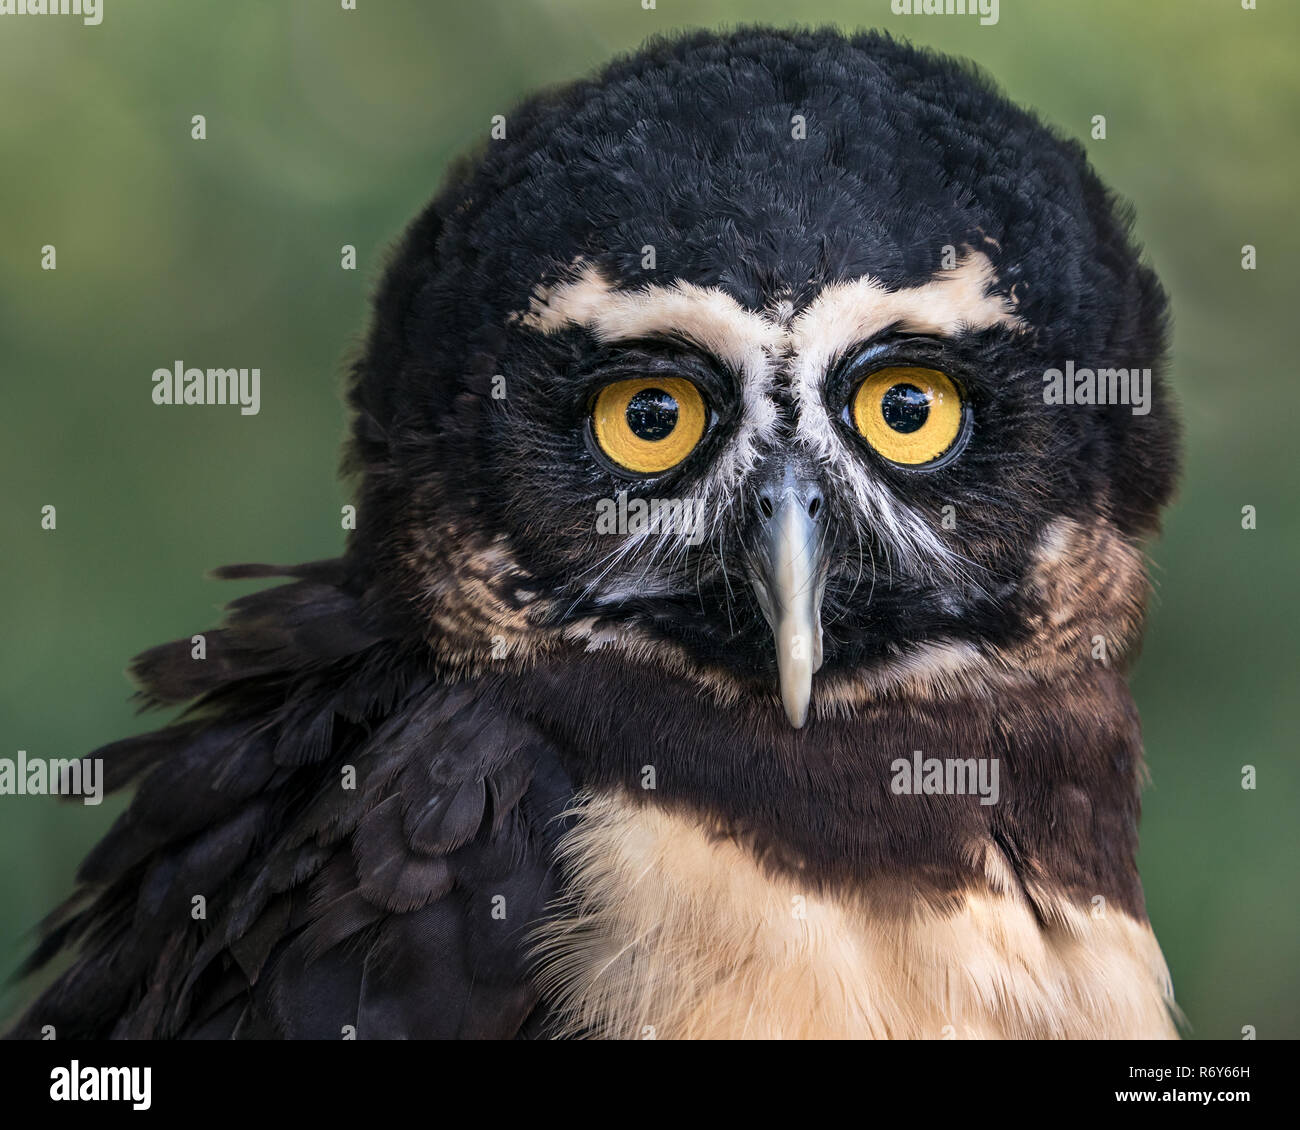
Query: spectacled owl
733	641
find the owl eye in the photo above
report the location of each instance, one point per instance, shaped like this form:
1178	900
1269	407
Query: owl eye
909	415
648	424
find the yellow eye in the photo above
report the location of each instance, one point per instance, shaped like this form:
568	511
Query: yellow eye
909	415
649	424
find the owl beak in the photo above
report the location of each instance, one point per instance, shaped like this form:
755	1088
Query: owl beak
786	568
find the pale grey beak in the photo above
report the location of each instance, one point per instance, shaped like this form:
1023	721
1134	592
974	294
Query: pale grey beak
787	572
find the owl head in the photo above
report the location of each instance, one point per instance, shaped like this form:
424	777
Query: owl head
803	366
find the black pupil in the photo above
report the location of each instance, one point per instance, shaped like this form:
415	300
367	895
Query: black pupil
905	408
652	414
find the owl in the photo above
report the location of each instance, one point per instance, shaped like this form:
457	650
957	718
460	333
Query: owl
753	451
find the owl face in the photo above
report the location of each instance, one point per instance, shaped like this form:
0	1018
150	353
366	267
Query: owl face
766	403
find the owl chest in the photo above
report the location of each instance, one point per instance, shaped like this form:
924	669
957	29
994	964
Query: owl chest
671	933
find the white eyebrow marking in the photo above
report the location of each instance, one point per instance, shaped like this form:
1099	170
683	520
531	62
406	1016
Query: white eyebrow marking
844	314
757	345
707	316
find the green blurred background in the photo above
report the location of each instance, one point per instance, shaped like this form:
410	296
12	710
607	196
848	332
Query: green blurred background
328	127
